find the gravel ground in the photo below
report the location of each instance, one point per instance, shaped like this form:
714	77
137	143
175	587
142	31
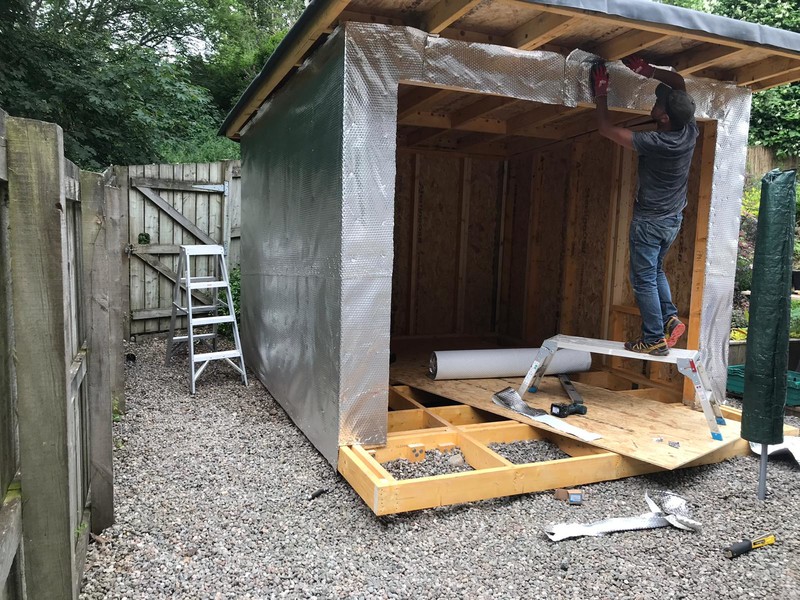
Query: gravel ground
212	502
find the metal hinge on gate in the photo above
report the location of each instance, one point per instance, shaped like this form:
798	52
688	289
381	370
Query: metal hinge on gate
213	187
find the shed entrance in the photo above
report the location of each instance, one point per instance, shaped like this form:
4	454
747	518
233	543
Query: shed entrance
511	221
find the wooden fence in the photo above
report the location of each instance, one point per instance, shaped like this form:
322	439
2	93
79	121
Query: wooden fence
61	368
762	160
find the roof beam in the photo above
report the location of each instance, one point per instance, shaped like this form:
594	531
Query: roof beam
419	99
628	43
540	30
424	134
617	21
306	38
782	79
445	13
423	119
479	109
766	69
535	118
703	57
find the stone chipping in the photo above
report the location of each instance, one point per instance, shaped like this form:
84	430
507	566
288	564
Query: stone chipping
212	500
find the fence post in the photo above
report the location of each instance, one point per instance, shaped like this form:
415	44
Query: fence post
37	233
122	215
96	291
117	300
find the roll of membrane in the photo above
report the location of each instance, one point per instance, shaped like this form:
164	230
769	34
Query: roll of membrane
503	362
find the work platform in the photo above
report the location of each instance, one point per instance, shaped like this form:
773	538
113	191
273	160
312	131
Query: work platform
636	426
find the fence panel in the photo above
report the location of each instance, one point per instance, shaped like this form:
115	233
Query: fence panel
170	205
10	501
57	300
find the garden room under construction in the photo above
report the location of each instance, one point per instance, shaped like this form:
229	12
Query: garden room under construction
422	177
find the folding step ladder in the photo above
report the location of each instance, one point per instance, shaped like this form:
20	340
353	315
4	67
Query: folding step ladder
687	361
213	284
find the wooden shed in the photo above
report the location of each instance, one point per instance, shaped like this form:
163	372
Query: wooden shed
427	175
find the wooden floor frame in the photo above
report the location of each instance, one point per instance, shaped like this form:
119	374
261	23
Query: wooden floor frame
417	424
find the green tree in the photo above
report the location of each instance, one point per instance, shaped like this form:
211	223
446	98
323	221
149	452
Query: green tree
775	117
114	81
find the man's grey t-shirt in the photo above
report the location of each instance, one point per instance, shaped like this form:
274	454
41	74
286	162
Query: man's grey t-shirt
664	161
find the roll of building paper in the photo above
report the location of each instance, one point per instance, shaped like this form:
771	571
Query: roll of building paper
503	362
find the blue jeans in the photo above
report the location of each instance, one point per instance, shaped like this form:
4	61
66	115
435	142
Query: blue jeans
649	242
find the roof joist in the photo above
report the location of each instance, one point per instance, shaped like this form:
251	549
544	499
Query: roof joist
529	25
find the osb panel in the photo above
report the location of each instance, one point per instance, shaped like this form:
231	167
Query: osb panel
439	213
515	248
403	231
586	241
551	175
485	196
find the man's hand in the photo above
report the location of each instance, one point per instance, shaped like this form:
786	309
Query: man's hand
599	80
639	65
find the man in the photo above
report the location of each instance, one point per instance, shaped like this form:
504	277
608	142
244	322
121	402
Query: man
665	156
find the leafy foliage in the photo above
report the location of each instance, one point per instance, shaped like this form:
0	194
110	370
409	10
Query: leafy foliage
235	281
775	117
136	81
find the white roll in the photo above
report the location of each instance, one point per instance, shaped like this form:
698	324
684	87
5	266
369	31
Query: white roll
503	362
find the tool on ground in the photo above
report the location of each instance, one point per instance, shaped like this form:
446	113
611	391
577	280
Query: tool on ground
509	398
573	496
564	410
191	285
740	548
687	361
670	509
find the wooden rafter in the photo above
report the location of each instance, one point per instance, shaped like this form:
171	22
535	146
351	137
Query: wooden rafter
766	69
628	43
446	13
536	118
419	99
703	57
478	109
428	119
307	38
540	30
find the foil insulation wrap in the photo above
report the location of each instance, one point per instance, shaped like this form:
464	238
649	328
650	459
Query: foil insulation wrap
318	210
291	246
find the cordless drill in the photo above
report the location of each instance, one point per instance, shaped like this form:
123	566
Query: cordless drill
565	410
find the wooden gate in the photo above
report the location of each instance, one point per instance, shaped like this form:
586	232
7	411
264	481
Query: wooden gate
170	205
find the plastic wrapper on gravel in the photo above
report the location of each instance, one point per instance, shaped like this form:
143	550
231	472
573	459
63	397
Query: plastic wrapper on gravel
766	361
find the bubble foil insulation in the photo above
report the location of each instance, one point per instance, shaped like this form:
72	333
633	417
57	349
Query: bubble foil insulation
318	187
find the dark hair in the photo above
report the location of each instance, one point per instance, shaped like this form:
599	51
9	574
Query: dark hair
678	105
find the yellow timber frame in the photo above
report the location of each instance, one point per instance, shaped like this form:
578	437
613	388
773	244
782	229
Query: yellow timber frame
415	429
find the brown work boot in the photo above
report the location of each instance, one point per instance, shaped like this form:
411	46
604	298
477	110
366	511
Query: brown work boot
658	348
673	330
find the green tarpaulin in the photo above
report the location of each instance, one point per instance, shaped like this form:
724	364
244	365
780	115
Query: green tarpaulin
766	360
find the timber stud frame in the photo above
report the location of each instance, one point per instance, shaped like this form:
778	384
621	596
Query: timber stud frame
415	428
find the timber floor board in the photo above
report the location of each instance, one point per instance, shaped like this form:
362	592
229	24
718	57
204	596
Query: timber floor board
629	424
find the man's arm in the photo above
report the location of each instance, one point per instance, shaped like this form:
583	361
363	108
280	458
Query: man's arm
620	135
641	67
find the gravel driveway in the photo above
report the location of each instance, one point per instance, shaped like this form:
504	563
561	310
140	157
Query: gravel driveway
212	493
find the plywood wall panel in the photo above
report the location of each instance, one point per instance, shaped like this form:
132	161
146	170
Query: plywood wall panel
551	176
586	241
403	242
482	248
516	227
439	213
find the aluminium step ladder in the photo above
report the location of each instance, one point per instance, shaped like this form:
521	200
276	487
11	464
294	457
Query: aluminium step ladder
191	285
687	361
